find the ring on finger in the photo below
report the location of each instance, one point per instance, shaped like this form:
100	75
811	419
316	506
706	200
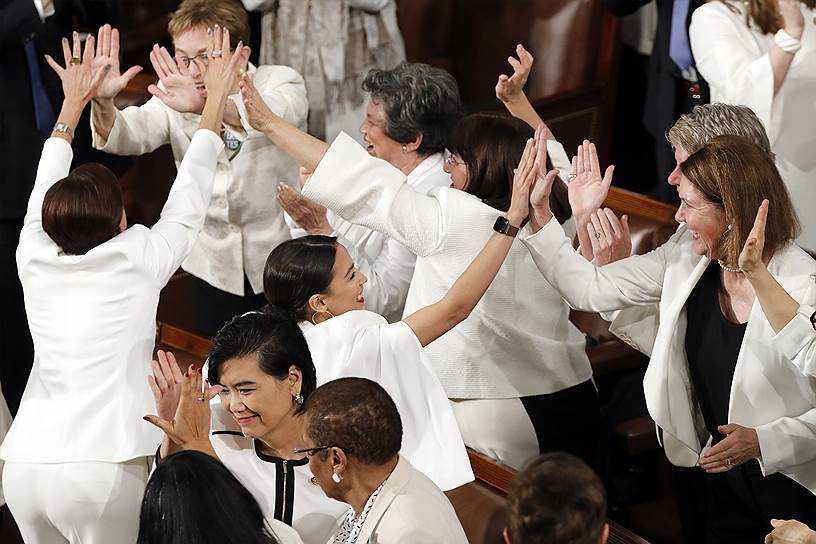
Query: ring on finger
200	398
728	461
572	176
216	53
597	235
74	61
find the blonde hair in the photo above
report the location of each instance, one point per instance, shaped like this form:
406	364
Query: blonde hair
207	13
735	175
695	129
764	14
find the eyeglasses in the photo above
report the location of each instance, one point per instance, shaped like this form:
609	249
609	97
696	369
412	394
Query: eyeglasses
311	451
450	161
202	60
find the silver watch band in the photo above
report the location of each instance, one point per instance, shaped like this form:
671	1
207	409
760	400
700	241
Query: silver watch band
65	128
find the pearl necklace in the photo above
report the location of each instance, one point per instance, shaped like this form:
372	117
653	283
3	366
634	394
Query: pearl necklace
728	268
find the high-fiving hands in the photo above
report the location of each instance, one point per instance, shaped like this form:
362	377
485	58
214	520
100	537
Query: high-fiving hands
530	173
181	92
107	54
80	78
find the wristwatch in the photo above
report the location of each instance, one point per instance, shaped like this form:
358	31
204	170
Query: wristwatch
503	226
813	320
63	127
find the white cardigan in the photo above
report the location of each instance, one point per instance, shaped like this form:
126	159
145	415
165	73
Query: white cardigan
93	321
518	340
410	509
244	221
733	58
769	392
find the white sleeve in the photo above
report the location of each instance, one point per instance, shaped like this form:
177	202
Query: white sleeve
55	163
633	281
283	91
559	159
371	6
173	236
787	442
373	193
137	129
797	339
727	63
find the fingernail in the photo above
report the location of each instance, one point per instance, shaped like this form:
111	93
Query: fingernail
240	44
145	418
209	30
76	34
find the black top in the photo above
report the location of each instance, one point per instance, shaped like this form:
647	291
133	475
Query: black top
712	346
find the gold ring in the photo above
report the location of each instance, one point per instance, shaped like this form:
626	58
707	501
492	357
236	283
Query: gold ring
201	398
728	461
74	61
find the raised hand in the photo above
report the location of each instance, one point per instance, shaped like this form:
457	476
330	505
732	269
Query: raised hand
750	258
307	214
587	188
222	75
510	87
540	212
180	92
258	113
107	54
190	426
792	18
610	237
80	79
166	384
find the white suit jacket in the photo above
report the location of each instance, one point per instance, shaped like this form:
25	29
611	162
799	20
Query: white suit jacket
769	392
93	321
410	509
244	220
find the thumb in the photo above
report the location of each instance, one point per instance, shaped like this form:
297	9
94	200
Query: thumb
728	429
625	223
131	72
162	424
777	522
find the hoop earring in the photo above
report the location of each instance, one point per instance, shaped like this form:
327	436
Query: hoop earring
336	478
314	315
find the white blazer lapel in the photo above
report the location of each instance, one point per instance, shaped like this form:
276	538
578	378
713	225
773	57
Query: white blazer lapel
393	486
669	394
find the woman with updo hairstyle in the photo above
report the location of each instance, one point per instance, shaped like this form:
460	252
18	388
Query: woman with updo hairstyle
726	390
352	440
191	498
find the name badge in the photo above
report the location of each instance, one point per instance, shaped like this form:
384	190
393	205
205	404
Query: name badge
231	142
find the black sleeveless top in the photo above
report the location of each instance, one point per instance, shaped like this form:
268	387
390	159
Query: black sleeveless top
712	346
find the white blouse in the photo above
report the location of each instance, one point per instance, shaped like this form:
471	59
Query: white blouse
362	344
733	58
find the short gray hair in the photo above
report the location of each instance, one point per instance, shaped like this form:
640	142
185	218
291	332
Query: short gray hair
418	99
704	123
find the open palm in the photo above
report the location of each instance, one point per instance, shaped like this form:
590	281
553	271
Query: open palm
178	90
107	54
588	188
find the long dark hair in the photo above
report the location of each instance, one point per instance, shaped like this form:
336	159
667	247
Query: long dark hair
491	146
192	498
298	269
274	337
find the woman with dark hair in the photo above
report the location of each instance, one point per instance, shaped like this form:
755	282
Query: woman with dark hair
515	368
411	111
352	440
77	455
191	498
724	388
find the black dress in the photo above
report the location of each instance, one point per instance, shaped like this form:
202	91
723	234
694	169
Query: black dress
737	505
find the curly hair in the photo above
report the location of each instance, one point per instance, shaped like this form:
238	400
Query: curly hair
358	416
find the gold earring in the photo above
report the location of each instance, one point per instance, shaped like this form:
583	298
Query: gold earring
314	315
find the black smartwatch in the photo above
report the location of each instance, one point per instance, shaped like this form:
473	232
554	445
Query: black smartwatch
503	226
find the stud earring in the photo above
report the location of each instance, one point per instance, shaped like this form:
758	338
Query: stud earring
405	149
299	400
336	478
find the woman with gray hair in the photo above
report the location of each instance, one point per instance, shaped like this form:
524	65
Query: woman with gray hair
411	111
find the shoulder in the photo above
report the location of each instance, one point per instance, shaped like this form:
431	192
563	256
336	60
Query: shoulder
268	76
794	268
717	12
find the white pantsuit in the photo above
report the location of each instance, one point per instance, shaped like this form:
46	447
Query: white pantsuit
93	321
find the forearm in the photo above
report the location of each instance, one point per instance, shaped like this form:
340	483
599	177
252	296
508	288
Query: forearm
213	114
777	304
69	114
521	108
103	116
780	64
168	447
232	117
583	235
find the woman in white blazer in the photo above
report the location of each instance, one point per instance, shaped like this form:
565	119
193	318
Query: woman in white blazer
516	367
762	54
352	440
723	392
77	454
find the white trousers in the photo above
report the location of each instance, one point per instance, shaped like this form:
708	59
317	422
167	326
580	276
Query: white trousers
77	503
498	428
